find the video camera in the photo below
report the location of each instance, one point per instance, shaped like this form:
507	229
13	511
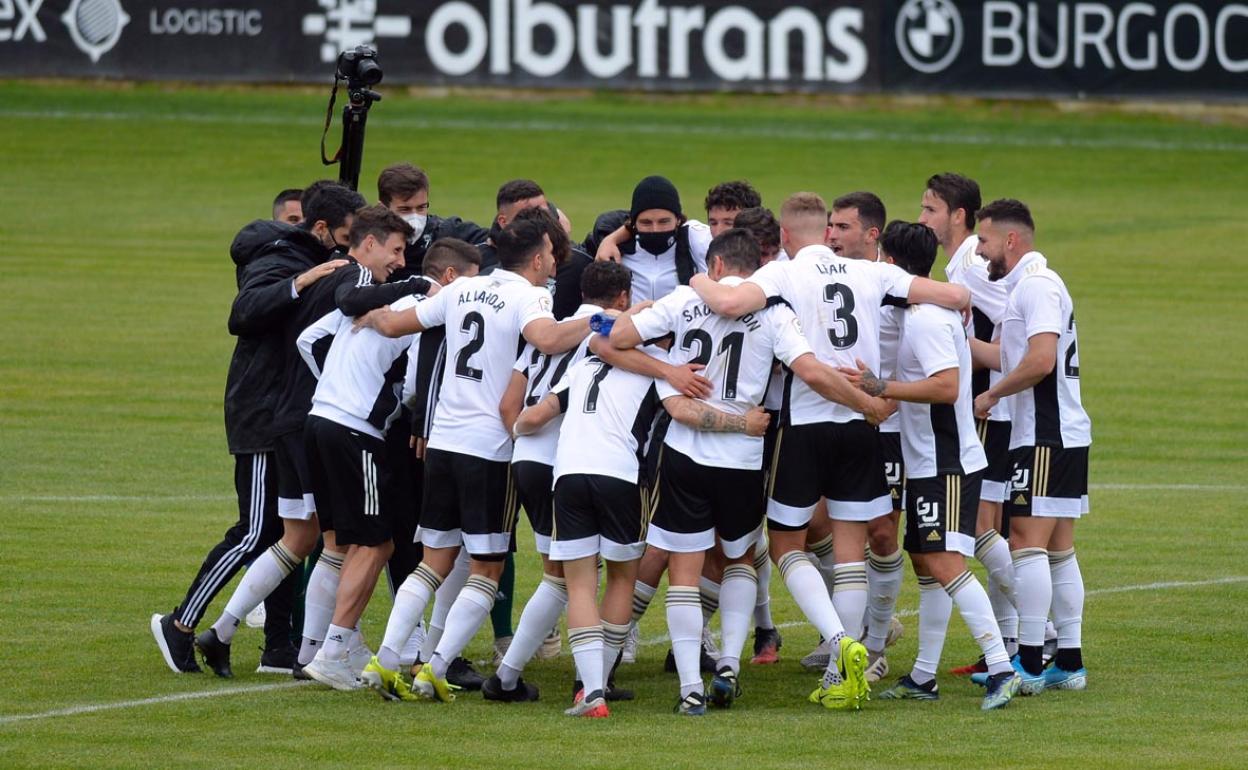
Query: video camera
360	69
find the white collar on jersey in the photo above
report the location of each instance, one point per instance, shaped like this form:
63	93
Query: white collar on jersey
962	256
585	310
731	280
506	275
1030	263
816	250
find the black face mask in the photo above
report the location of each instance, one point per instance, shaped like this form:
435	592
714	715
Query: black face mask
656	243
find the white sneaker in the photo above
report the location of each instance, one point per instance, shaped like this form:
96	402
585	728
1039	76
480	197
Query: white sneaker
500	649
877	667
708	643
895	631
819	657
358	657
255	618
552	645
338	674
411	650
631	643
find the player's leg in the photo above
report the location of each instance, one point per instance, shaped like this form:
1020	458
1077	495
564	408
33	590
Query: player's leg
767	640
935	606
739	510
500	613
1067	671
443	598
1030	536
885	568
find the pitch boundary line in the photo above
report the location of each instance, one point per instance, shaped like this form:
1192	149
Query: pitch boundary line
744	131
247	689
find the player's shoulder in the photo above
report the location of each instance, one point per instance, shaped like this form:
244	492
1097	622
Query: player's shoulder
407	301
931	318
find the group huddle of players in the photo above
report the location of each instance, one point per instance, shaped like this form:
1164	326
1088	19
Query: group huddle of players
705	400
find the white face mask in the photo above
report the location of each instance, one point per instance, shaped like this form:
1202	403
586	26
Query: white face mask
417	221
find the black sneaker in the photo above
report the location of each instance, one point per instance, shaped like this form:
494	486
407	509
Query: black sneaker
706	662
613	693
280	660
298	674
176	647
492	689
725	689
216	653
669	663
461	674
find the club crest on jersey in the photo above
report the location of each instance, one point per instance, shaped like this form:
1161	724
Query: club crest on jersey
482	297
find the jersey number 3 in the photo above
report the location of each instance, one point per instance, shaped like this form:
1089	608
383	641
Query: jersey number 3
843	332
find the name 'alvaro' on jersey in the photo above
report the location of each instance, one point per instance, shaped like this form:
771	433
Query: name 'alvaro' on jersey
484	318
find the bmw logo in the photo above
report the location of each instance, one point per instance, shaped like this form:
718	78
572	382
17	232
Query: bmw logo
929	34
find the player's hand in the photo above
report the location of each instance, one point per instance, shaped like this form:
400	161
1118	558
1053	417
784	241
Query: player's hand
984	403
608	251
369	320
417	445
309	277
879	409
433	289
640	306
685	378
756	421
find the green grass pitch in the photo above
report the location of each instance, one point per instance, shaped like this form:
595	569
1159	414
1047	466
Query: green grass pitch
119	204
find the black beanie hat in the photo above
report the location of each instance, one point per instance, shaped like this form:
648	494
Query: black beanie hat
655	192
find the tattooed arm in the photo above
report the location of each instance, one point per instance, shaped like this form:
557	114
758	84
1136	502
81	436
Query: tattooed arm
940	388
703	417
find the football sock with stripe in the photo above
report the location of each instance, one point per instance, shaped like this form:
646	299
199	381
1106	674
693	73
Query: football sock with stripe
708	591
613	637
684	626
265	574
762	597
811	595
884	576
643	594
442	601
737	594
1034	589
318	603
464	620
586	644
1068	594
409	605
539	616
849	594
935	606
972	602
824	560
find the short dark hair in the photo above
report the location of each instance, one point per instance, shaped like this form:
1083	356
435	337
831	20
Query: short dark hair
517	190
762	224
559	239
332	204
911	245
450	252
379	222
402	180
1014	212
313	189
283	197
603	281
738	195
519	241
738	248
958	192
870	207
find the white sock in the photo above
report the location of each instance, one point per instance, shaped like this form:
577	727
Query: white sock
935	606
409	605
684	626
643	594
442	601
708	591
613	636
1006	614
265	573
762	599
540	615
586	644
1034	589
467	614
411	648
737	593
849	594
318	603
1067	598
825	561
336	640
884	576
807	588
976	610
993	552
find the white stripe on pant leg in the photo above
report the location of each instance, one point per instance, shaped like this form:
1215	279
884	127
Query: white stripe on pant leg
216	577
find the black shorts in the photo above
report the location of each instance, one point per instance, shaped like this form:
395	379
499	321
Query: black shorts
408	475
468	501
533	482
941	512
769	442
351	479
697	502
840	461
598	515
1048	481
295	499
995	436
894	466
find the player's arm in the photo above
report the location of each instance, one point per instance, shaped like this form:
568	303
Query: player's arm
1038	361
554	337
313	342
413	320
940	388
950	295
534	417
355	300
683	378
512	402
609	248
985	355
835	386
269	288
730	301
701	416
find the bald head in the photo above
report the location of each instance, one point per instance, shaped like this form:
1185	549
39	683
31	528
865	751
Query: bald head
803	221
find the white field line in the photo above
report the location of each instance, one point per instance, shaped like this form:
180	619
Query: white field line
216	498
778	132
92	708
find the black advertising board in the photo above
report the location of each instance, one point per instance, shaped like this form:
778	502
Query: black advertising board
1001	47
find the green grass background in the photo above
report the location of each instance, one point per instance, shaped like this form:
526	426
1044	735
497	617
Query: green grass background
117	206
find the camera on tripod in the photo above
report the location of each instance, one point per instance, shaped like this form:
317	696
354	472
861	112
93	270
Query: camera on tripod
360	68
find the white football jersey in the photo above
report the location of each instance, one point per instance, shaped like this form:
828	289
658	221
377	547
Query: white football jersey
484	317
542	372
361	383
607	417
988	300
937	439
654	275
891	318
1051	412
737	354
838	303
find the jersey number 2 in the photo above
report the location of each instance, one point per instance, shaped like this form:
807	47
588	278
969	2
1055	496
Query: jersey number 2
474	325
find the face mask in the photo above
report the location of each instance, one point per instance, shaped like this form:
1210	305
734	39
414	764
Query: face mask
656	243
417	221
